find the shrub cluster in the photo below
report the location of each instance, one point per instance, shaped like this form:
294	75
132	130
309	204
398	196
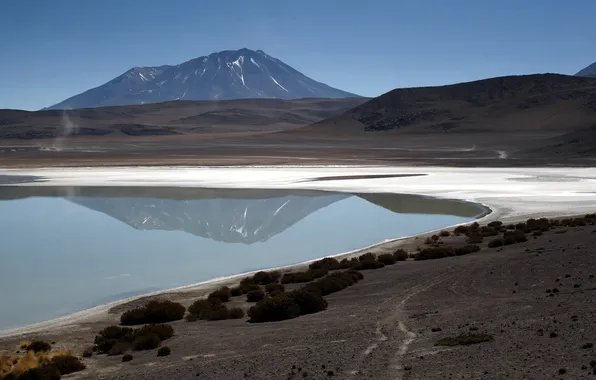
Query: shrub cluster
115	340
441	252
306	300
386	259
348	263
542	224
212	309
223	294
400	255
588	219
513	237
328	263
236	313
66	364
236	291
274	309
270	288
153	312
38	346
255	295
334	282
367	264
38	365
264	278
306	276
286	306
476	234
164	351
367	261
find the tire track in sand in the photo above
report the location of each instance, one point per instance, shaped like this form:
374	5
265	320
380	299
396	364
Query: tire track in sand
397	319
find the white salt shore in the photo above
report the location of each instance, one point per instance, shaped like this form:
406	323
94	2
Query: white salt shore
512	193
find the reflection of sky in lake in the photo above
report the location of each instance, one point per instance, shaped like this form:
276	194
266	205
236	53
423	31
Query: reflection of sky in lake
59	257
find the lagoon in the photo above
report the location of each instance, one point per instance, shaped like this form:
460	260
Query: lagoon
65	249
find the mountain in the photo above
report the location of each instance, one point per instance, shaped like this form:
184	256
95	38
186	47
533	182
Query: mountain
229	74
589	71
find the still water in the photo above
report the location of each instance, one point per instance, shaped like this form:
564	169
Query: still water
65	249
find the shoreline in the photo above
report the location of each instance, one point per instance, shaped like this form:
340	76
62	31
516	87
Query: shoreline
502	206
90	314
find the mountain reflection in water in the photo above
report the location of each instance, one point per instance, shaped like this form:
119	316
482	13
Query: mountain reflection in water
70	248
231	216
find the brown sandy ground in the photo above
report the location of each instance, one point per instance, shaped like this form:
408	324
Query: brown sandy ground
381	328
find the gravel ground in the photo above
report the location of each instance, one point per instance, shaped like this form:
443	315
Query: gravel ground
381	328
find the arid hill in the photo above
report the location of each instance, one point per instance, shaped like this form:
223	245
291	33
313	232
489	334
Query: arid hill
542	119
516	117
171	118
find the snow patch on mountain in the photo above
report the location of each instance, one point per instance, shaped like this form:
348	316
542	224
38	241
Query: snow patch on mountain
230	74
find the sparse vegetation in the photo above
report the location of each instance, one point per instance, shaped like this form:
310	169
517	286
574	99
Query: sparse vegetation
66	363
513	237
255	295
328	263
367	264
444	233
264	278
153	312
247	284
464	340
115	340
236	291
38	346
400	255
210	309
127	357
236	313
346	264
274	309
164	351
387	259
367	257
306	300
334	282
223	294
270	288
306	276
275	293
145	342
39	365
441	252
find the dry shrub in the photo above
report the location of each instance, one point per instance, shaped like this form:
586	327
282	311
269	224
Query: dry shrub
400	255
42	365
155	311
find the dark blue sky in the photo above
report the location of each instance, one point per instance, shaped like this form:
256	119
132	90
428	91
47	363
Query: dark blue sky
54	49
